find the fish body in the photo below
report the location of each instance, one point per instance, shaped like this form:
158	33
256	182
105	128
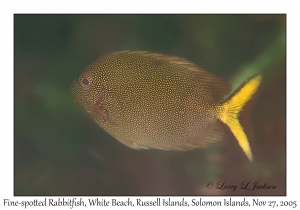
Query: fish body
151	100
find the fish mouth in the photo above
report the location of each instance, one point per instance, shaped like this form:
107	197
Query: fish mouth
81	97
73	89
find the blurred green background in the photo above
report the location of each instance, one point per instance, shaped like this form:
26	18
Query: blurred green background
59	150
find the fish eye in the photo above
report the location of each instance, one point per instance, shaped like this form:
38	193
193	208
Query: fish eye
85	81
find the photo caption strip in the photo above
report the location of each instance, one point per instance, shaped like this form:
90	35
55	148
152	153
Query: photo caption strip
187	202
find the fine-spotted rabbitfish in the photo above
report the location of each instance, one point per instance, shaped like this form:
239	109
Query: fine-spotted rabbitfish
151	100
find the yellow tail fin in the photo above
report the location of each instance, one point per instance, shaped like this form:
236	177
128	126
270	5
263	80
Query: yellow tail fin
232	107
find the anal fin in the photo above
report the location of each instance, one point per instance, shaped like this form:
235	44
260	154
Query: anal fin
134	145
213	133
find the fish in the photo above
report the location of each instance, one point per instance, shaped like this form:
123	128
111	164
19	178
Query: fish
149	100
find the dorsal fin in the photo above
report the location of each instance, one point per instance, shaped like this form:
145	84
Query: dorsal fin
215	85
172	59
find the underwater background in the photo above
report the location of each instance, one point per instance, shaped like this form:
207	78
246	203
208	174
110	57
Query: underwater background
60	150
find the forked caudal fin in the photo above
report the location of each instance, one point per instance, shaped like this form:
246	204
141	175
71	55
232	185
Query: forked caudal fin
232	107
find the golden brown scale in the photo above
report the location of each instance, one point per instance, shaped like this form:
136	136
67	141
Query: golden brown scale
150	100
